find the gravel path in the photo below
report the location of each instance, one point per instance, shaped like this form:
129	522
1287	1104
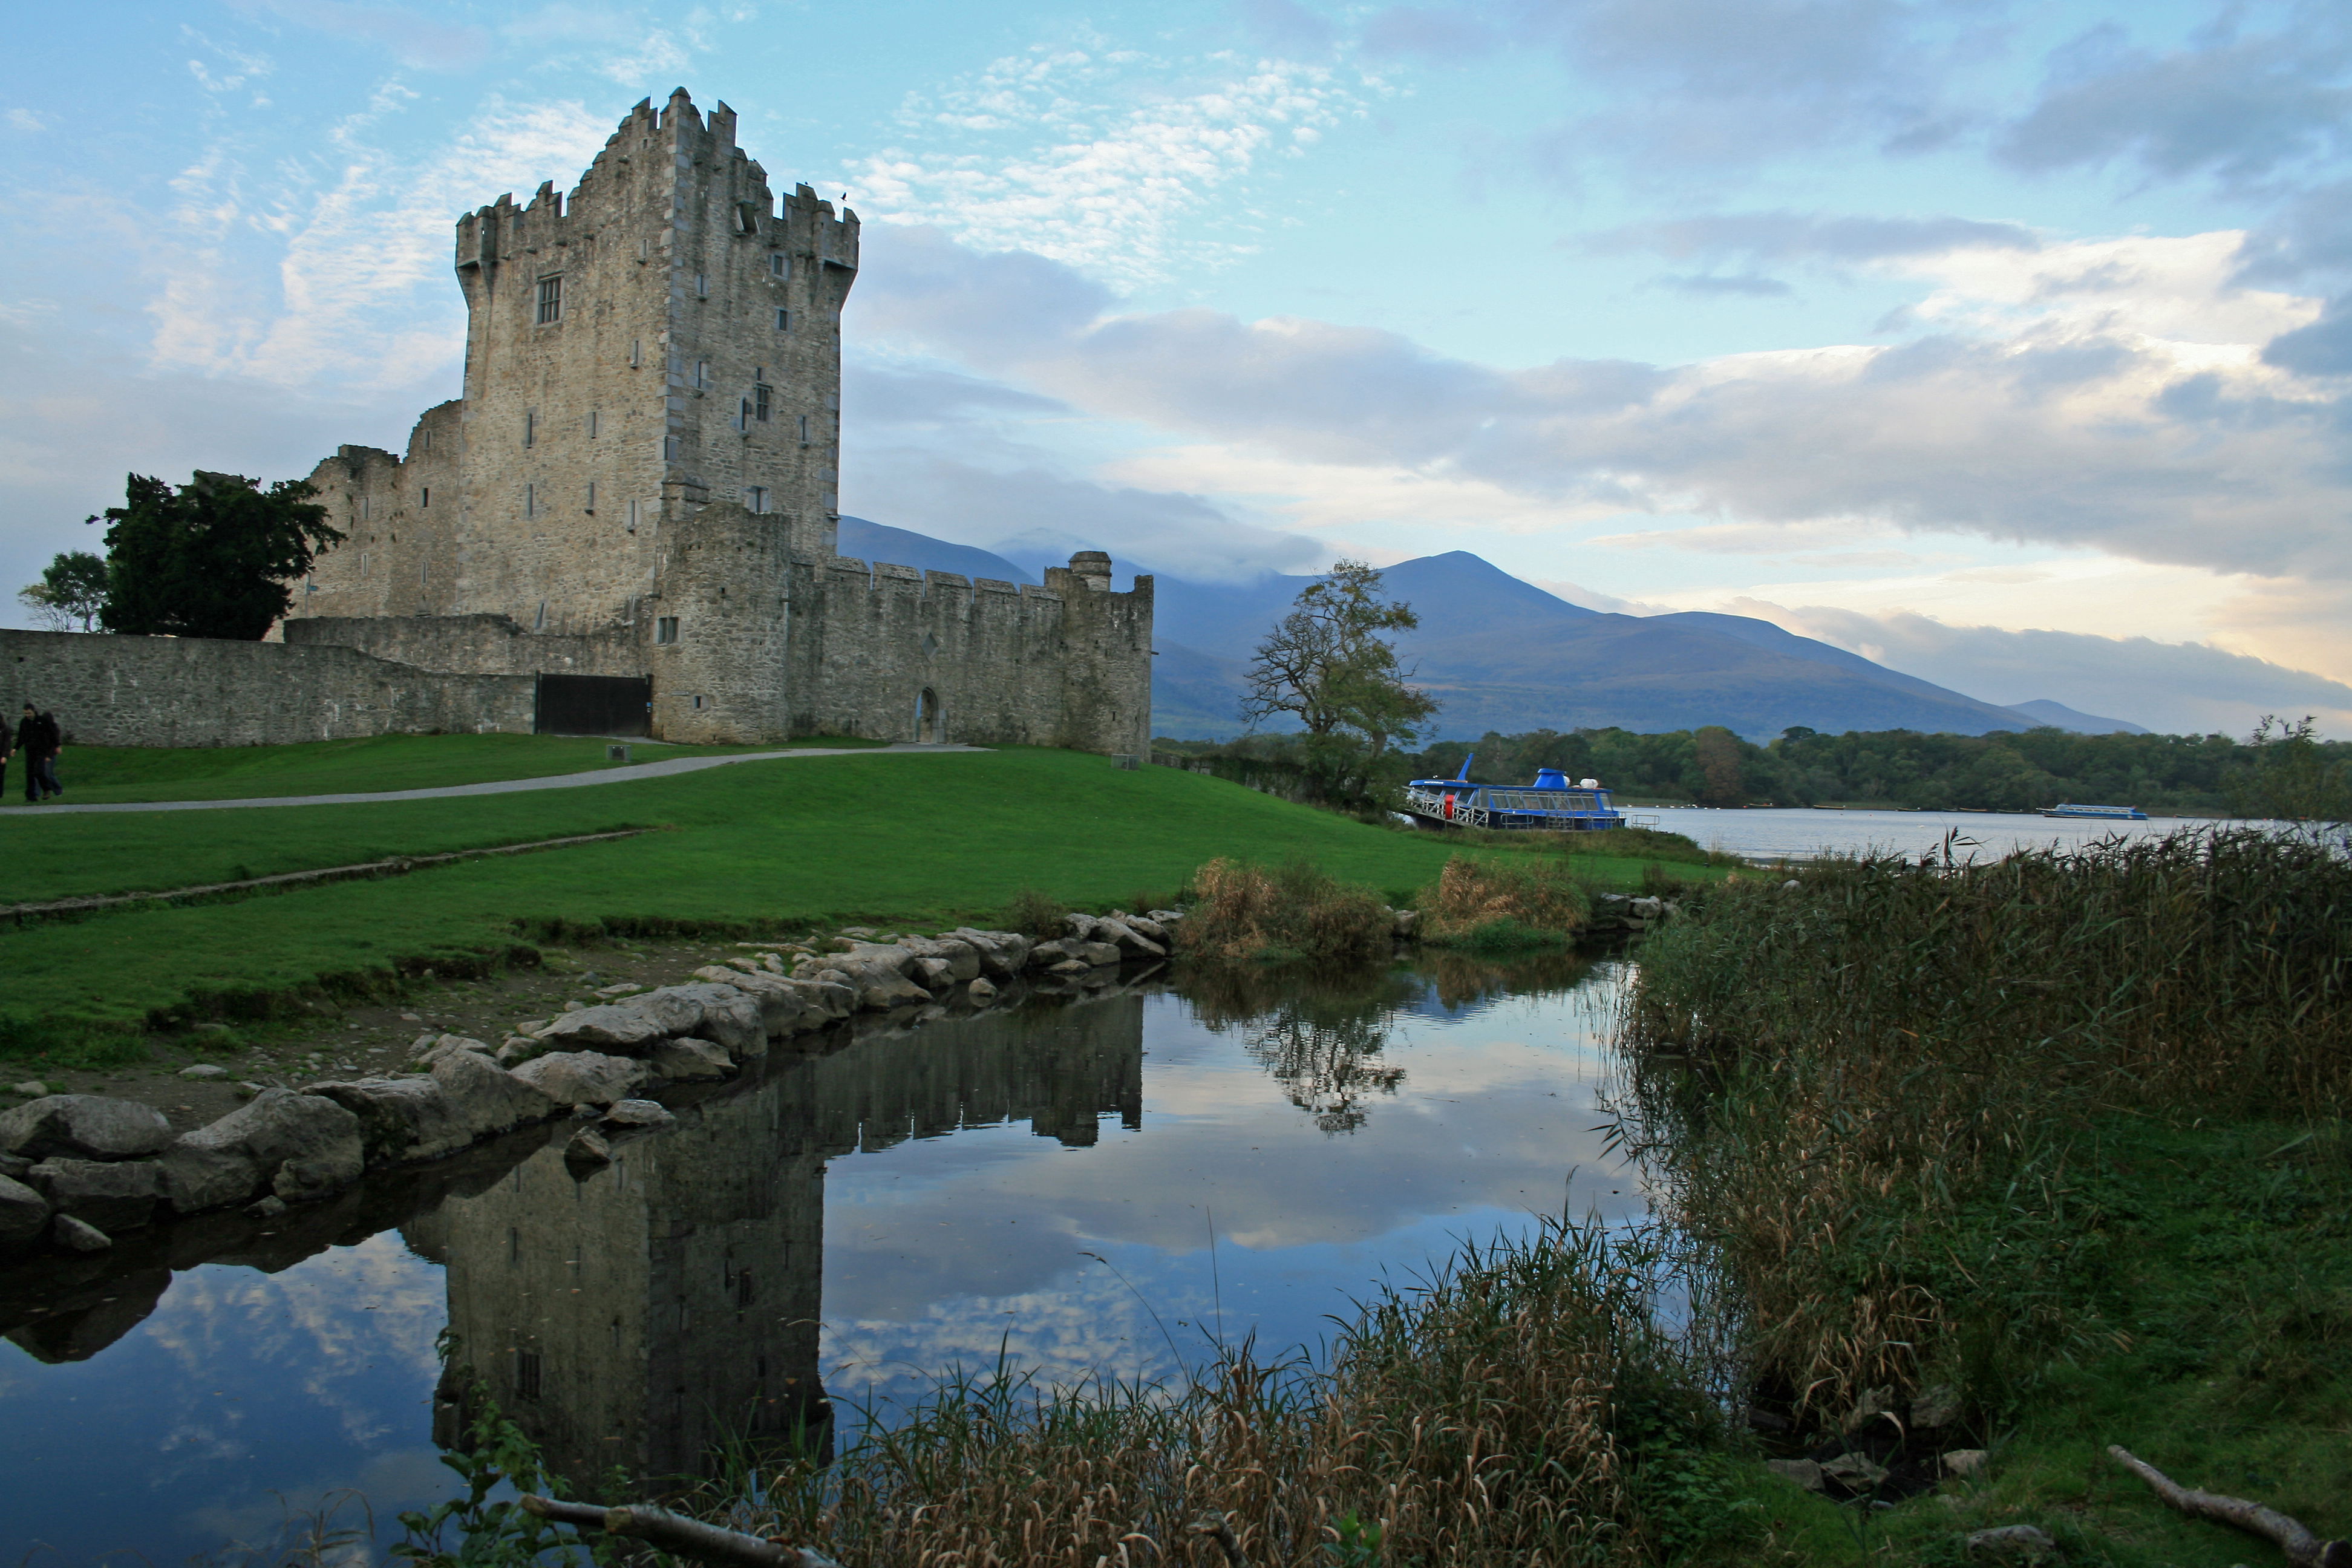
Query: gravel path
510	786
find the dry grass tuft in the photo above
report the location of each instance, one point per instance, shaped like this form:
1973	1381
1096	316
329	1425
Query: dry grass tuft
1244	912
1477	899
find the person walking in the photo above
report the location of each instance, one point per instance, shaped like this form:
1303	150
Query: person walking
53	746
36	735
7	749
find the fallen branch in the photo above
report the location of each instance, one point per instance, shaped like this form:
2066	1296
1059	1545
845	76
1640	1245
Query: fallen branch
676	1534
2303	1549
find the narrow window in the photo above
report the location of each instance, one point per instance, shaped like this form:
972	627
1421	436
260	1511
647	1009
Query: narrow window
669	449
592	423
530	426
527	1374
698	702
363	508
550	301
804	439
744	1297
514	1238
780	265
645	249
424	497
755	497
742	420
362	562
425	440
702	285
702	374
783	320
634	513
538	622
762	397
637	352
530	501
666	629
591	497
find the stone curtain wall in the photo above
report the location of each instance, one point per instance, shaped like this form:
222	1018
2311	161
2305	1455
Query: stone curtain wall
195	691
1007	665
469	645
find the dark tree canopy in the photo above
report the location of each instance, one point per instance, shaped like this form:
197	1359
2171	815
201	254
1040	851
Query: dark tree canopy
215	558
72	589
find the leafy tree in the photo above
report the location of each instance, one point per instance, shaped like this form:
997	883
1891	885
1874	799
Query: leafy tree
1716	753
2292	777
1330	664
215	558
72	589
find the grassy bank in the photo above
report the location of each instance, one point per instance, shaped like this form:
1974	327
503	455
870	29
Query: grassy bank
763	847
2062	1135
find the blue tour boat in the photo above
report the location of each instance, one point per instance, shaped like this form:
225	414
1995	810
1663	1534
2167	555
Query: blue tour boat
2098	813
1550	804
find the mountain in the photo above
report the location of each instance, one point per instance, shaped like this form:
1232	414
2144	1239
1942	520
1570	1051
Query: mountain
872	542
2058	716
1501	654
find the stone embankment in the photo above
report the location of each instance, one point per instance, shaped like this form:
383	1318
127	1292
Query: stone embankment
76	1169
1622	914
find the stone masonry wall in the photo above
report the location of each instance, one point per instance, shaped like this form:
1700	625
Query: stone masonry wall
470	645
195	691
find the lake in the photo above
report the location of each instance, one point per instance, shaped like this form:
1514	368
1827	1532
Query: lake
1082	1187
1771	834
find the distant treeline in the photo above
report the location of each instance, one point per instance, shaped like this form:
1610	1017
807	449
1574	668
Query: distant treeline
2000	772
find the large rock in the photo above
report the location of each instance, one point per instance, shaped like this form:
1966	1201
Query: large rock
113	1194
783	1008
401	1118
726	1014
84	1127
1127	940
1002	953
488	1098
878	986
961	958
23	1214
692	1061
77	1235
1100	954
1145	925
618	1026
298	1145
887	955
828	1000
584	1077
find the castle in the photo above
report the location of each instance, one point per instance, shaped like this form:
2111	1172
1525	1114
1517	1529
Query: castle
634	504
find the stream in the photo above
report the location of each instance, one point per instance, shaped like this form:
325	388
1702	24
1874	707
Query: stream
1076	1188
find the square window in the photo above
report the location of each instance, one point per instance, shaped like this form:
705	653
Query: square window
666	629
550	301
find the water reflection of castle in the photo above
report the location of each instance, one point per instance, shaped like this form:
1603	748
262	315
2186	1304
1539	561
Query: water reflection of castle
666	1303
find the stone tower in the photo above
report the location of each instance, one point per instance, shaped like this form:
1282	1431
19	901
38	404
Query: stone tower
637	492
666	337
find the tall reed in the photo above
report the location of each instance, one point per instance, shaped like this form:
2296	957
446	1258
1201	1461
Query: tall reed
1241	912
1500	1412
1504	903
1863	1090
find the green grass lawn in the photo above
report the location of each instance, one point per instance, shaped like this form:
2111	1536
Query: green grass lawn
102	775
767	846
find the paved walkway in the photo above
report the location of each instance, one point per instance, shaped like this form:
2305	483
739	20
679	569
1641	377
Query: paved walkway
628	774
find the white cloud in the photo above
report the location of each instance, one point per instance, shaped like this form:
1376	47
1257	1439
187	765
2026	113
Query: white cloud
1085	155
357	243
25	120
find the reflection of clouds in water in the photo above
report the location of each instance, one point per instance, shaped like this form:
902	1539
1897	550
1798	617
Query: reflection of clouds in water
1092	1326
350	1311
933	1249
256	1522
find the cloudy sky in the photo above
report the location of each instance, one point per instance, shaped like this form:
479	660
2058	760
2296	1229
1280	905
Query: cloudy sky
2010	344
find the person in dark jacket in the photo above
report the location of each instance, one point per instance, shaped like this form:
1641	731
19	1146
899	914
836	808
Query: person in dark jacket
40	737
7	749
